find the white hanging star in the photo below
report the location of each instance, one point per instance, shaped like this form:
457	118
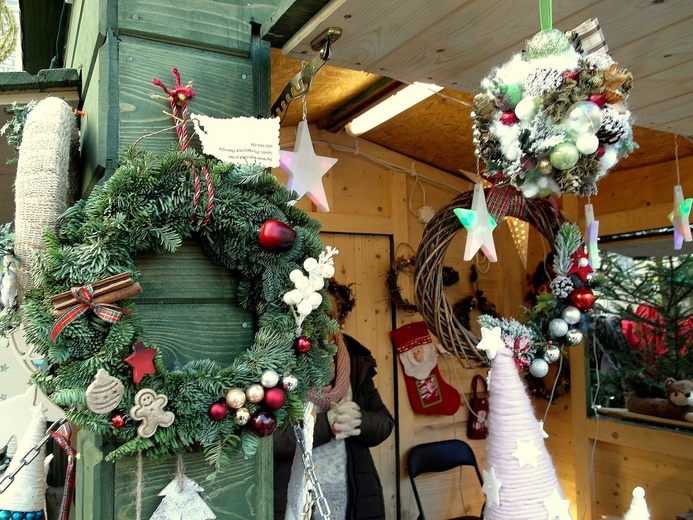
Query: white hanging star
480	225
592	237
558	508
679	217
542	430
490	341
305	169
526	453
491	487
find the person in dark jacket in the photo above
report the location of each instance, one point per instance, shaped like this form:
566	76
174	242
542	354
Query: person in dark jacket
351	419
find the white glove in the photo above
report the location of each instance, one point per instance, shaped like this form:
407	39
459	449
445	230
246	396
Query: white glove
345	419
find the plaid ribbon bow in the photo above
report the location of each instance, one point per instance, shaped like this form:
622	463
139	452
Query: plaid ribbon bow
85	295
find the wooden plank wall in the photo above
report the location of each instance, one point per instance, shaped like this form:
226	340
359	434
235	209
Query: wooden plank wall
370	221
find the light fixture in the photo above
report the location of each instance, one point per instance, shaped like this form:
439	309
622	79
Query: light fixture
390	107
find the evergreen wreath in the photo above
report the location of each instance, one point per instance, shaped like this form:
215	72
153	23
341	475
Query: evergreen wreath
146	207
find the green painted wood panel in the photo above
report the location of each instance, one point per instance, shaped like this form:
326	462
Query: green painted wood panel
106	490
189	308
223	86
205	24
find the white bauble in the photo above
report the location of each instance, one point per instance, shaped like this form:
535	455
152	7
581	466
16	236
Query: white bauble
587	144
539	368
310	264
571	315
296	275
526	109
315	300
269	378
558	327
327	271
304	308
293	297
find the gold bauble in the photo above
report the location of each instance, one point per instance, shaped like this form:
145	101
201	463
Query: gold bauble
235	398
242	416
255	393
544	166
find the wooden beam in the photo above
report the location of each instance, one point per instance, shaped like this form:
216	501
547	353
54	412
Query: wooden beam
288	18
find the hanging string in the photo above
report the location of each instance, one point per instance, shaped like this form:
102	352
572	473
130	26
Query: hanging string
303	98
478	171
180	472
139	486
546	15
676	158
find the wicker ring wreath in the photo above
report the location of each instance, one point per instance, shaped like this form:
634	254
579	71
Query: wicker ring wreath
438	314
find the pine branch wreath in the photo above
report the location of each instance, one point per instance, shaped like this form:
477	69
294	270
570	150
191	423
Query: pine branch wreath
146	207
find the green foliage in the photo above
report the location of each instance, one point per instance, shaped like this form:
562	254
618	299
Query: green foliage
14	128
655	298
146	206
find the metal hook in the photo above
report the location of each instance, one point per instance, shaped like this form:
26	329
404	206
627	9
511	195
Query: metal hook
299	85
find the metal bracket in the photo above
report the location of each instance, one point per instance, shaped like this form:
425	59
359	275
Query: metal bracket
299	85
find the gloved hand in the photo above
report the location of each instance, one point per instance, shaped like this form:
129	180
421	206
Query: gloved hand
345	419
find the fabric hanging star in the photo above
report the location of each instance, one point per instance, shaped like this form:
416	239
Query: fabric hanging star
491	341
305	169
480	225
526	453
679	218
141	361
491	487
558	508
592	236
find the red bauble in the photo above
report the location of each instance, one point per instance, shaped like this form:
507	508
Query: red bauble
582	298
118	420
302	344
218	411
601	149
571	74
598	99
509	118
262	423
276	236
274	398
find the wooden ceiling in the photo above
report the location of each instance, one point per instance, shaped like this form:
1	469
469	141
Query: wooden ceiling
455	44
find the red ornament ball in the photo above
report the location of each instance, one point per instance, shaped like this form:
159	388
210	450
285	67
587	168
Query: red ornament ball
302	344
275	398
571	74
276	236
598	99
218	411
509	118
118	420
582	298
262	423
601	150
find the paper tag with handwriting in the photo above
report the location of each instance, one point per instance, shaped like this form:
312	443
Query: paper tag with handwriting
239	140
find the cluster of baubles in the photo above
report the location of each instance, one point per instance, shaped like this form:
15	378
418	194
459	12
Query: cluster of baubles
574	302
267	396
552	120
20	515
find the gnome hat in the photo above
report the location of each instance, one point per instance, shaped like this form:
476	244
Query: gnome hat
520	481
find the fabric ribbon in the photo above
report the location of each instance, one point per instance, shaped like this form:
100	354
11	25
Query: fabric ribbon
546	15
85	295
62	438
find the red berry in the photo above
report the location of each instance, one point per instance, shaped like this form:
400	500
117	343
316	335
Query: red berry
302	344
598	99
509	118
118	420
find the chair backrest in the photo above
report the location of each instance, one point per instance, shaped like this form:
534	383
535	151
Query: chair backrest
436	457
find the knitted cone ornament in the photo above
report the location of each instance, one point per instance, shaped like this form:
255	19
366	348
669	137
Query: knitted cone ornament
27	492
520	481
427	391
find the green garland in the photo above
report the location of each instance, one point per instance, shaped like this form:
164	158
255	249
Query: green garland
146	207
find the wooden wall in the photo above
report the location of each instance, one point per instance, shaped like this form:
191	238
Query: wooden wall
370	219
373	218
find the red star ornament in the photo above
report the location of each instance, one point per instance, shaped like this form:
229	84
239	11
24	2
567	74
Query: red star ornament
141	361
581	264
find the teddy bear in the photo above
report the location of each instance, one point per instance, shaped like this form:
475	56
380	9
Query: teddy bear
677	405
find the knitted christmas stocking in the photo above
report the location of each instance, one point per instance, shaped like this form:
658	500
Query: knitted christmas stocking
427	391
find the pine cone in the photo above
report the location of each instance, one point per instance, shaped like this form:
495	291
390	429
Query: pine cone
613	128
561	286
540	81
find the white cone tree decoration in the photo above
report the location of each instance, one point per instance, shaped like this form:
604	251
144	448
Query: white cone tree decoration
182	500
638	507
520	481
27	492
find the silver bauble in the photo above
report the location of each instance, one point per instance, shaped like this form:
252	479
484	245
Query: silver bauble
552	354
558	327
289	383
539	368
571	315
269	378
574	337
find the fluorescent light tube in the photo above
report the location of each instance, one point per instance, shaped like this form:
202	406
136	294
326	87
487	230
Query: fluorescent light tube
390	107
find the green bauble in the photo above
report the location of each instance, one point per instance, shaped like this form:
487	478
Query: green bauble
564	156
546	43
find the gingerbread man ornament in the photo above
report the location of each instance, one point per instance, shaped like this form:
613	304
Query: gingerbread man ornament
149	408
